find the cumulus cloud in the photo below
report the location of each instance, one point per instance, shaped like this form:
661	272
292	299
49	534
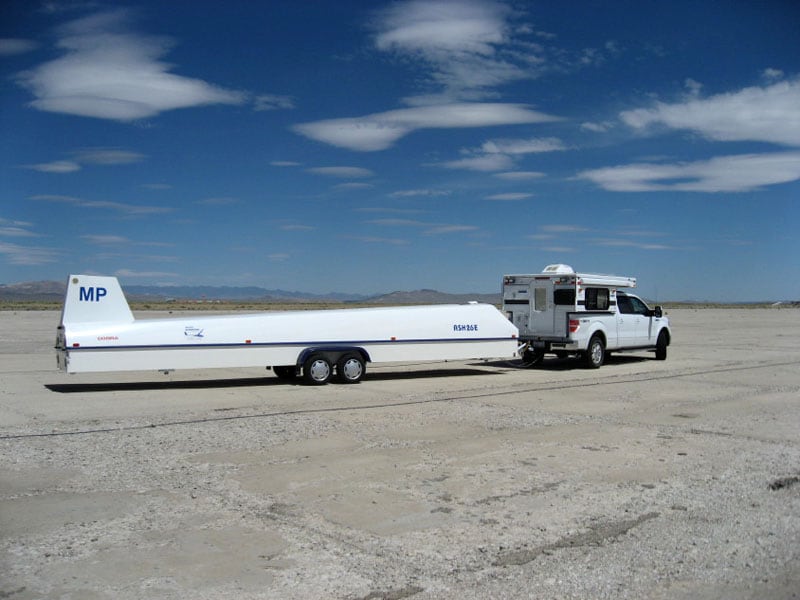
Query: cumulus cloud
89	156
461	41
519	175
737	173
510	196
14	46
500	155
759	114
57	166
108	72
128	209
16	254
342	172
486	163
381	130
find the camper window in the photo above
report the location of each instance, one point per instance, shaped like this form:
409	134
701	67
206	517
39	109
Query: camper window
596	298
564	297
540	299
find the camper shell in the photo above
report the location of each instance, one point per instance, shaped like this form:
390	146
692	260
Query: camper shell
565	312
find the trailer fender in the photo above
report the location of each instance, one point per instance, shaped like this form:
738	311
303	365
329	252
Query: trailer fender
332	353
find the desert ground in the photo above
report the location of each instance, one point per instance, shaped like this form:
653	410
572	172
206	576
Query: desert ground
459	480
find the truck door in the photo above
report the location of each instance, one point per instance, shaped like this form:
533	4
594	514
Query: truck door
644	330
626	321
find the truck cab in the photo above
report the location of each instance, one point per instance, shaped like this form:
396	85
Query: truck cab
567	313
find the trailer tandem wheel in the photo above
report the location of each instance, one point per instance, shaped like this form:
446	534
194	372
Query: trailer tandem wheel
317	370
350	368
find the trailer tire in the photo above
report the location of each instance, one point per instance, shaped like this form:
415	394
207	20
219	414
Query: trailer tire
350	368
595	352
317	370
661	346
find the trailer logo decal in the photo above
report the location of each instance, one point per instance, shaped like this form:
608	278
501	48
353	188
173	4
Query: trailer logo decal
193	332
91	294
470	327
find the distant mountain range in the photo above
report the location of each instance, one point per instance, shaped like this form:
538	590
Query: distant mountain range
55	290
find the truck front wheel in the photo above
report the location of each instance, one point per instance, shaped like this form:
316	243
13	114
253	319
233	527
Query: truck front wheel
595	352
661	346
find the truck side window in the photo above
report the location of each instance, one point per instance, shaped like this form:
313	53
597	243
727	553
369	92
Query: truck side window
624	305
639	307
596	298
564	297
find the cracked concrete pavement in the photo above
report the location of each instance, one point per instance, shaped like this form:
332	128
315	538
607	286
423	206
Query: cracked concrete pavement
674	479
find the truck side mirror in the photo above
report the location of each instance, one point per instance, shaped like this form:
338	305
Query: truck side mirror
658	312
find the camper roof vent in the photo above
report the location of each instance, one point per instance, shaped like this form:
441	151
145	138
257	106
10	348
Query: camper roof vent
558	269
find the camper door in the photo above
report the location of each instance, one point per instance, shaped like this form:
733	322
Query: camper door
544	317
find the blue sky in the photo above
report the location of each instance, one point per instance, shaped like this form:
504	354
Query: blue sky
367	147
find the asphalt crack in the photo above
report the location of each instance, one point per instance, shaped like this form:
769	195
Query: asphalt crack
594	537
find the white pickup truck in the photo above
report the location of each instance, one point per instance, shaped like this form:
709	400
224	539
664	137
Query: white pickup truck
567	313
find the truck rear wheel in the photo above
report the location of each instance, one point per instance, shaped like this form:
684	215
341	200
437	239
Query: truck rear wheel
317	370
595	352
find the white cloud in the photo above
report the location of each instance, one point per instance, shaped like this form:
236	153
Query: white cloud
499	155
57	166
519	175
440	229
420	192
89	156
106	239
487	162
510	196
601	127
14	46
368	239
15	231
381	130
738	173
27	255
109	73
107	156
353	186
272	102
147	274
461	41
342	172
523	146
759	114
129	209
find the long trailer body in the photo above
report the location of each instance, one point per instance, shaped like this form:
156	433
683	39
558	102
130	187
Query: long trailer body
98	332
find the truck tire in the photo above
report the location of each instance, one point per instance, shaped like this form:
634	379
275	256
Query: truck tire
595	352
350	368
317	370
661	346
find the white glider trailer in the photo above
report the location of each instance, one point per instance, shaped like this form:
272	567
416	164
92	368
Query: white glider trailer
99	333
